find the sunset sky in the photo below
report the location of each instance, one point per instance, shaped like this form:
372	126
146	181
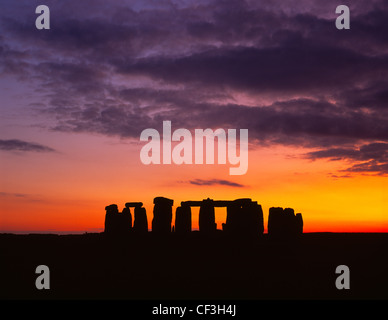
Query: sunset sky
75	98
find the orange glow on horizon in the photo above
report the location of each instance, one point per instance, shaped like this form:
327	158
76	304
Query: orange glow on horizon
69	191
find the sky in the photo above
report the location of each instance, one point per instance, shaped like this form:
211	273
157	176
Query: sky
75	99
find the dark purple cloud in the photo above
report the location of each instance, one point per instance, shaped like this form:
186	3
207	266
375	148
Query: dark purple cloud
368	158
119	68
16	195
297	68
24	146
212	182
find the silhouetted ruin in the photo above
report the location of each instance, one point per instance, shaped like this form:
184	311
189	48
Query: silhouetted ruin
244	218
283	223
299	223
161	223
140	224
115	222
183	220
207	218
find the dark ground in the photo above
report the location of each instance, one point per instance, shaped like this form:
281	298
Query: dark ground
90	266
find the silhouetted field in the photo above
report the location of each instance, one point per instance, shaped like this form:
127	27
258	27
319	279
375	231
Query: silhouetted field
92	266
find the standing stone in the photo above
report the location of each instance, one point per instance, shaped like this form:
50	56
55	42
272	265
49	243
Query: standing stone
275	222
161	223
255	220
183	219
117	223
140	225
127	220
110	216
232	215
298	224
289	222
244	218
207	218
284	224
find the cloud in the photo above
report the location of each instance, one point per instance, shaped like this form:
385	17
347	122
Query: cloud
369	158
281	70
211	182
293	67
19	145
28	198
16	195
302	122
